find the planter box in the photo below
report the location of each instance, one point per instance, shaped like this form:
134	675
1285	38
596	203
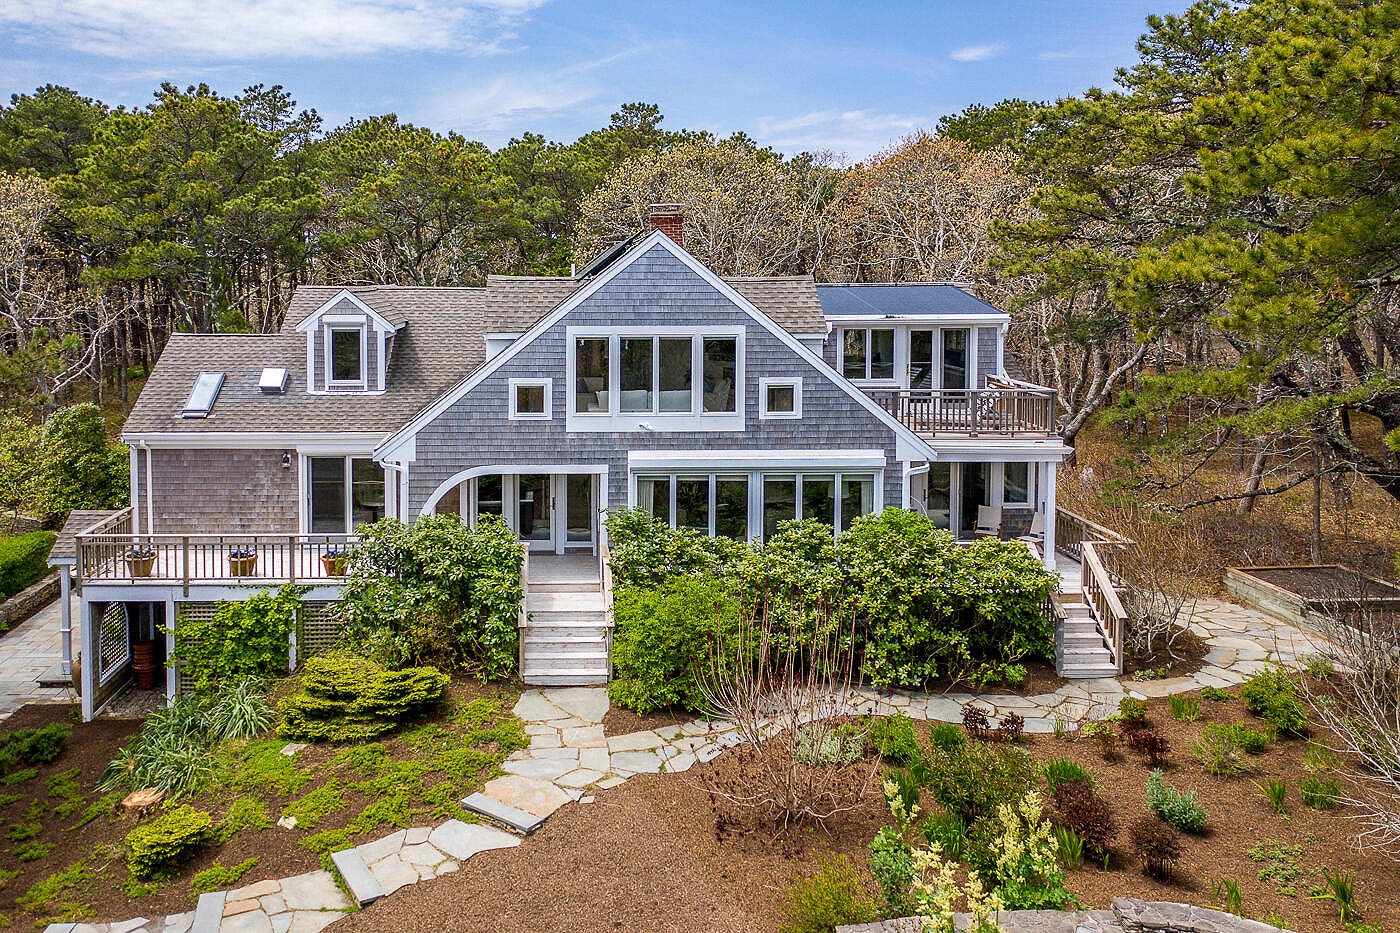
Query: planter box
242	566
140	566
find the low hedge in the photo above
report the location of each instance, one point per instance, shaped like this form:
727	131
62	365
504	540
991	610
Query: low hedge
23	560
345	699
157	849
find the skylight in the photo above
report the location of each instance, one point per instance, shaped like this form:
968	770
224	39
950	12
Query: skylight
273	380
202	396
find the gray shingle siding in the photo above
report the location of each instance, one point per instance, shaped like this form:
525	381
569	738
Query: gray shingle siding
986	354
212	491
656	289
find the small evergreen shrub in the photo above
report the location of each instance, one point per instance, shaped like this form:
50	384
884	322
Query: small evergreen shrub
1319	793
1177	808
158	848
946	736
1157	845
32	851
243	813
971	782
834	896
1273	696
39	746
344	699
1132	711
23	560
893	737
663	635
1075	805
1059	770
217	876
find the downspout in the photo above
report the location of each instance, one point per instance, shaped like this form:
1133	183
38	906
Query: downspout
150	484
909	473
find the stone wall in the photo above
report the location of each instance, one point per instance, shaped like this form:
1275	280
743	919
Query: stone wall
1127	915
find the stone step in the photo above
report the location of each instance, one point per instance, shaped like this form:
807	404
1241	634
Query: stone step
364	887
209	912
518	820
587	678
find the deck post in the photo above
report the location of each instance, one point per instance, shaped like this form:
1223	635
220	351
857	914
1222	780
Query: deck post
65	624
185	562
1049	486
90	659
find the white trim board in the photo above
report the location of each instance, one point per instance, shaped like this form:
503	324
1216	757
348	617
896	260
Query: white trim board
909	445
381	322
347	442
739	460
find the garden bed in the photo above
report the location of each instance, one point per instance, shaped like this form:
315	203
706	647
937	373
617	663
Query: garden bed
645	854
329	786
1301	593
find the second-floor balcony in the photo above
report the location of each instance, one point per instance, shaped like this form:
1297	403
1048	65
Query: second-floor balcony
1018	409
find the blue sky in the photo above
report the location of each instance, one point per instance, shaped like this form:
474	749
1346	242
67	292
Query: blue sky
849	77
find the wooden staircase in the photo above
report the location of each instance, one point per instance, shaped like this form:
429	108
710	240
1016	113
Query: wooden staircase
1080	648
567	630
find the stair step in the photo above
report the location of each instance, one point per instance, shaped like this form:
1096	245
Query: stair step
533	637
558	679
564	602
561	587
598	617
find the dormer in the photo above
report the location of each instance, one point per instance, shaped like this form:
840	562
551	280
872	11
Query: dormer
347	347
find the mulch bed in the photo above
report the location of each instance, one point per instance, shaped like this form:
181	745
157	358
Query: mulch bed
1187	656
1323	582
91	747
619	721
645	856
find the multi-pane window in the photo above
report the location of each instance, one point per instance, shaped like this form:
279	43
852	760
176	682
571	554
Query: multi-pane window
346	355
712	504
656	375
719	504
867	353
343	492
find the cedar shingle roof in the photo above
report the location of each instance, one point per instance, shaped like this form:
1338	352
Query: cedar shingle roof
441	339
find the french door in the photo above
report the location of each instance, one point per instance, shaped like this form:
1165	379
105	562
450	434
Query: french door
550	512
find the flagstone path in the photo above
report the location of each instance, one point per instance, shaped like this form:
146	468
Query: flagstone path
570	758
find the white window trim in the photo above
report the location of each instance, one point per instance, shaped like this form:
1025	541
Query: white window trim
894	347
546	415
764	413
360	383
697	419
348	504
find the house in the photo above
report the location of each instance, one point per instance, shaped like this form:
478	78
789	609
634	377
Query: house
722	404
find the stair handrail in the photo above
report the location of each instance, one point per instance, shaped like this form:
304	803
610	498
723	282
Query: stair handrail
522	618
1101	596
605	586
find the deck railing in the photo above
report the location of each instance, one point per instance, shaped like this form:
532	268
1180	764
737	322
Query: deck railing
1007	411
522	617
118	556
1097	548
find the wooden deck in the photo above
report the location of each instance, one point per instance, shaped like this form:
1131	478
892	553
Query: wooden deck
1012	412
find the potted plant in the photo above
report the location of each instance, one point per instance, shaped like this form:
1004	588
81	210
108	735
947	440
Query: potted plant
140	559
242	561
335	560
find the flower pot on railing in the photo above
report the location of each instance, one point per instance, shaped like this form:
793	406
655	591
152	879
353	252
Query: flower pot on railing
242	561
336	561
140	561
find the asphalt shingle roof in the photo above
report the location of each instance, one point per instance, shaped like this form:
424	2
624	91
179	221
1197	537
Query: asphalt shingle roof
912	299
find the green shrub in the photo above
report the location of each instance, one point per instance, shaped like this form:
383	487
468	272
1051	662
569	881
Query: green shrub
32	850
1132	710
892	864
1216	694
1059	770
893	737
217	876
971	782
946	736
1221	747
38	746
345	699
435	593
663	635
645	551
834	896
1070	846
948	832
243	639
19	832
317	804
1185	708
1273	696
243	813
52	895
1319	793
1180	810
160	847
23	560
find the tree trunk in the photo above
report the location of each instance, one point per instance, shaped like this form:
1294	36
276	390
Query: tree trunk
1256	476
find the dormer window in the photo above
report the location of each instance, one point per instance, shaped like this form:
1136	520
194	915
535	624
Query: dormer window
346	356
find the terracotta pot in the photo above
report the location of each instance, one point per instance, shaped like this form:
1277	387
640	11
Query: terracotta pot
334	565
242	566
144	664
140	566
76	672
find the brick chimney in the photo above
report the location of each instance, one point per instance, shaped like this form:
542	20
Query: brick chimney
669	219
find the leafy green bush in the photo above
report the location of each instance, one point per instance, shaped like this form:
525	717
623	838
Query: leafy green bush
1185	708
1180	810
948	832
1273	696
972	781
893	737
662	636
947	736
892	863
243	638
217	876
38	746
158	848
644	551
1059	770
1220	753
435	593
1028	873
1319	793
834	896
345	699
1132	710
23	560
1216	694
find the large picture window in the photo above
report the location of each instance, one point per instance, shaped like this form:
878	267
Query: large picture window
720	504
867	353
342	493
656	374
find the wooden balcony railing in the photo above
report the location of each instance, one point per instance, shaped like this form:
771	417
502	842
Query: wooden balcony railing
111	556
1097	548
1001	411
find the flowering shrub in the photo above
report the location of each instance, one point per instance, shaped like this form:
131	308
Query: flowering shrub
1028	872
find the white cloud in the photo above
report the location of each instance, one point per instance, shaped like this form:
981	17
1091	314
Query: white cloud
855	134
976	53
240	30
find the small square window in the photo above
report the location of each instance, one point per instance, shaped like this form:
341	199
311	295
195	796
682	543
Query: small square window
781	398
530	399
